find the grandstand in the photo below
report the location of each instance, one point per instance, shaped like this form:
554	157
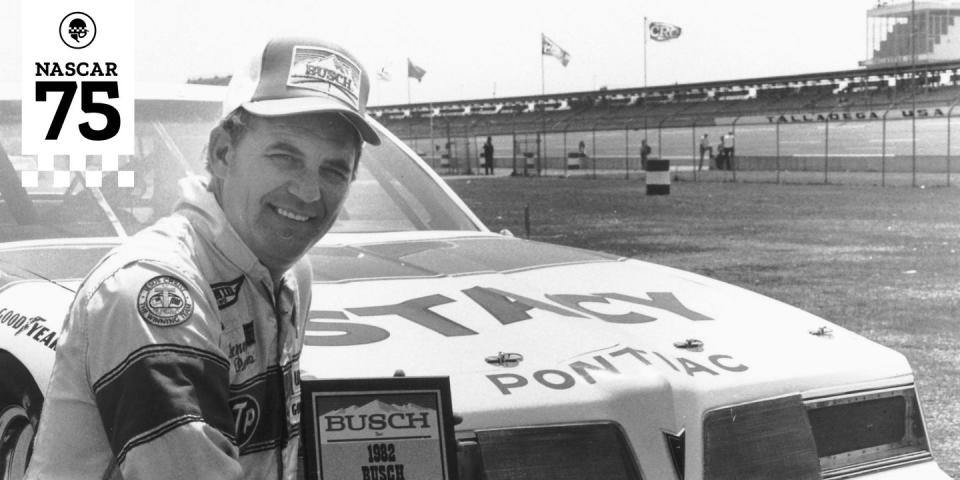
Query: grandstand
912	32
682	105
542	129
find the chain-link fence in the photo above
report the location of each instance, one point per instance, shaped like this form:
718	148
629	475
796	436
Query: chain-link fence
903	142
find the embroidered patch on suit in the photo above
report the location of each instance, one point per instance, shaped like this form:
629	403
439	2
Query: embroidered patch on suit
164	301
227	293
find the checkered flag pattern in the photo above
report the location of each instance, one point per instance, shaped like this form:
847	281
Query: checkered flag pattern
92	175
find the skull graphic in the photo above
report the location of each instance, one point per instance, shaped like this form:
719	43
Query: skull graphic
78	29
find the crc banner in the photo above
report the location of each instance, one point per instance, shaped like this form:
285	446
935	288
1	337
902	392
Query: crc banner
77	82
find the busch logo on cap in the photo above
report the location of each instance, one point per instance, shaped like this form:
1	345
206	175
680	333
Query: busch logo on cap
325	71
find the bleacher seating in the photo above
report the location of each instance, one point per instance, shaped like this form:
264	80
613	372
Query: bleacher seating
899	41
677	105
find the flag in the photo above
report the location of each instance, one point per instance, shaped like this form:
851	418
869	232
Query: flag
549	47
383	74
414	71
663	32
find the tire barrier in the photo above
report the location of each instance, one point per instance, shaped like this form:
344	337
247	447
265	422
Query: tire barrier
658	177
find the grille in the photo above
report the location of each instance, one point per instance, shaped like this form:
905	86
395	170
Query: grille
832	437
760	440
561	452
867	431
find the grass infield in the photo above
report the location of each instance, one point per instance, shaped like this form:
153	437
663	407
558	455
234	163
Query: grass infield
884	262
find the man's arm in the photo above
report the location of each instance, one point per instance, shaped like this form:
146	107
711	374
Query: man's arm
159	377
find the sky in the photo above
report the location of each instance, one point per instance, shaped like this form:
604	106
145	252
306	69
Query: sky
474	49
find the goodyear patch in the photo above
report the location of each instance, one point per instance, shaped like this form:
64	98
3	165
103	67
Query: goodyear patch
164	302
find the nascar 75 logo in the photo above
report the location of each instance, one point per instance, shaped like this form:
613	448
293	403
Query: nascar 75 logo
87	105
77	92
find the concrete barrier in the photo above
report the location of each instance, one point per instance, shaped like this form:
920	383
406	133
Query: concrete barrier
531	162
844	163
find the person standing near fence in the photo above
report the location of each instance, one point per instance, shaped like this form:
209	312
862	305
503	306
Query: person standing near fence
488	157
644	153
721	157
728	144
705	147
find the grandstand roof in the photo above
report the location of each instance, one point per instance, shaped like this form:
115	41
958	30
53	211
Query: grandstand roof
905	8
565	100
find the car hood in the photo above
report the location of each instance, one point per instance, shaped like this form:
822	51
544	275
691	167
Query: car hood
520	325
527	332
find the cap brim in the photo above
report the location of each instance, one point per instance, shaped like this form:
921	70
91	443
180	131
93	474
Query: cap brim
300	105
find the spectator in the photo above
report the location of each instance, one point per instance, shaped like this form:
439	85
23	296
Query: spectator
727	144
644	153
705	147
721	158
488	157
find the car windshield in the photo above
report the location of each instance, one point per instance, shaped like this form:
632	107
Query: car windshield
392	191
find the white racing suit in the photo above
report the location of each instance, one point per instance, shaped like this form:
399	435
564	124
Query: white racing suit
178	359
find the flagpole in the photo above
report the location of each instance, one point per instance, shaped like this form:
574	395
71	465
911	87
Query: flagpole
542	141
645	35
542	82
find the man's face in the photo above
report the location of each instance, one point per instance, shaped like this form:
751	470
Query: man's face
284	182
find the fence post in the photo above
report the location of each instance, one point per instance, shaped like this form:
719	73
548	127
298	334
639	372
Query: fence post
564	153
693	136
516	147
526	146
660	138
913	126
539	152
448	149
949	113
467	141
778	151
826	151
594	160
645	129
733	161
883	151
626	150
545	167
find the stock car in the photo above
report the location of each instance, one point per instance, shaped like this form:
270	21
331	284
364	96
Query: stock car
563	363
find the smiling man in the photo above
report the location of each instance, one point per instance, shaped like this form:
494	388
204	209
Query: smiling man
179	357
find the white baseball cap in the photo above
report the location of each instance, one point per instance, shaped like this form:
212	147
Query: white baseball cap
289	76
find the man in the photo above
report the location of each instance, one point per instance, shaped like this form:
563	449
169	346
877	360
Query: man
705	147
488	157
644	153
179	356
728	144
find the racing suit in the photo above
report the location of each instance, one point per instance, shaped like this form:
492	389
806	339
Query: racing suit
178	359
